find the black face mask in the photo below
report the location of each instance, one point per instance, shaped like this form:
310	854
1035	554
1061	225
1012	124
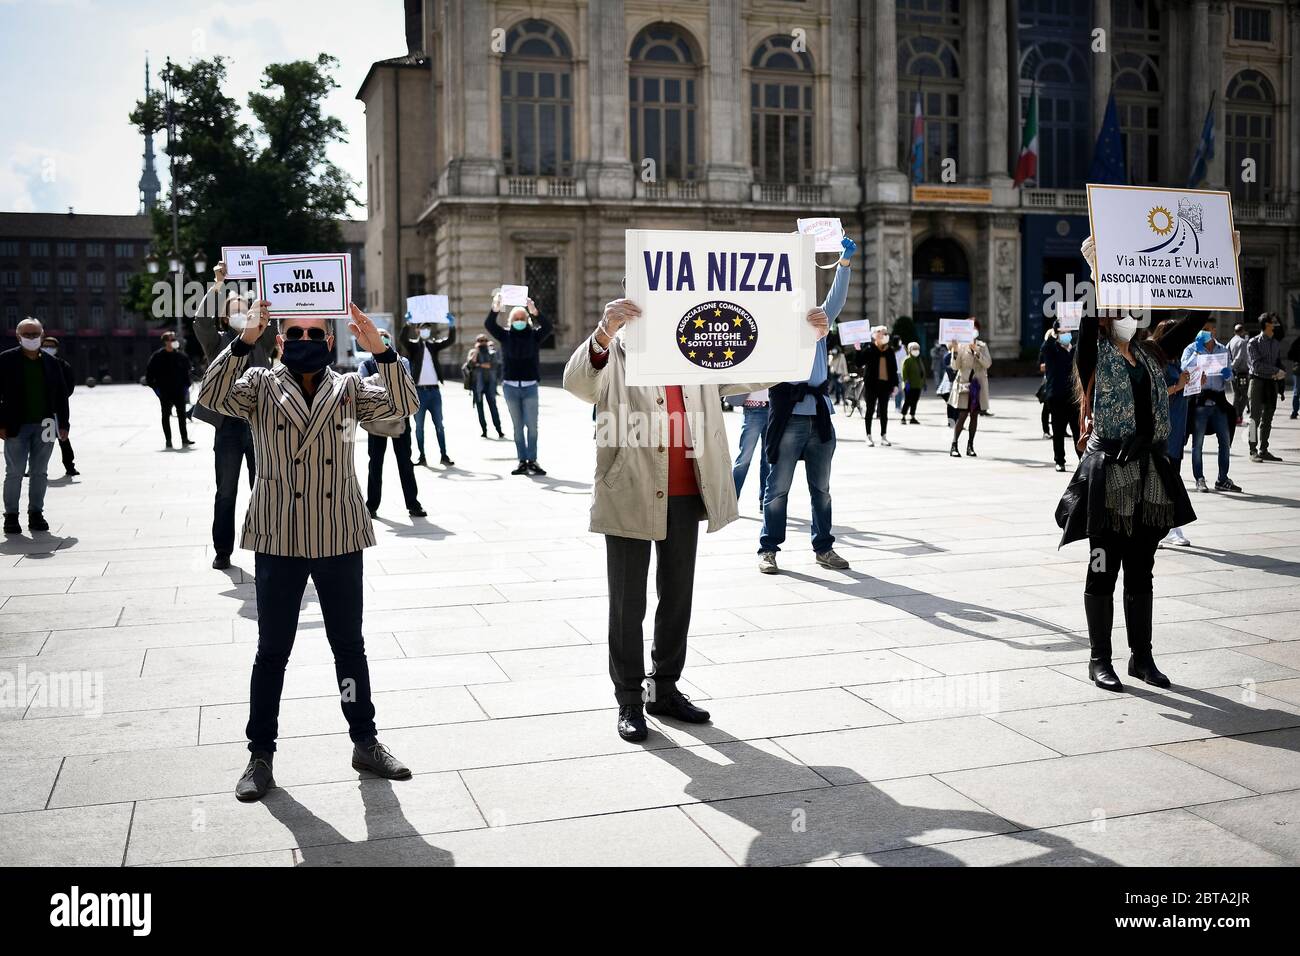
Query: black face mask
305	357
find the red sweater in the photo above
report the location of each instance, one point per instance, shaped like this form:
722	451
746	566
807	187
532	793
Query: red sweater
681	469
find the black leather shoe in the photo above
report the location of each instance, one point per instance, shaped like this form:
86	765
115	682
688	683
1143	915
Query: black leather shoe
678	706
375	758
71	473
1143	666
447	462
221	561
373	512
421	460
953	452
535	469
970	450
631	723
11	524
417	512
521	469
36	521
257	778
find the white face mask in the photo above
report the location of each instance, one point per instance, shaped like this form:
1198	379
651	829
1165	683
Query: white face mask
425	333
31	343
1123	329
49	351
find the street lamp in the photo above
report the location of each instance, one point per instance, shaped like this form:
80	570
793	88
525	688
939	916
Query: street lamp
151	263
174	262
174	259
200	264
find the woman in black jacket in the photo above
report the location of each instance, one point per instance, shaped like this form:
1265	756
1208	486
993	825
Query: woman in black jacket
521	346
879	367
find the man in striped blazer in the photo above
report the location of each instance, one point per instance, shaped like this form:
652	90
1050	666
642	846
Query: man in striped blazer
307	517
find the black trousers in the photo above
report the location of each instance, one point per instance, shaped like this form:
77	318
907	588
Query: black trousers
1263	403
1240	392
280	585
1064	415
376	446
233	446
911	396
168	402
628	566
65	447
1110	551
877	401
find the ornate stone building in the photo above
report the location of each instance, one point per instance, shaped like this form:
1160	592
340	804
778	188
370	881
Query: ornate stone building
511	143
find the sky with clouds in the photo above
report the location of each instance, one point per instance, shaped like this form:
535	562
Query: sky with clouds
72	71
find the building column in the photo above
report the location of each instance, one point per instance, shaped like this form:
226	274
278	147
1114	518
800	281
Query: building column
729	173
841	175
975	119
609	174
1198	100
885	182
1101	66
474	170
1289	168
1218	32
996	105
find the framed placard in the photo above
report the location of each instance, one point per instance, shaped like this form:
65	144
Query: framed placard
961	331
719	307
241	261
317	286
1163	248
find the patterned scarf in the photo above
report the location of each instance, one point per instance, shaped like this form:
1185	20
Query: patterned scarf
1131	484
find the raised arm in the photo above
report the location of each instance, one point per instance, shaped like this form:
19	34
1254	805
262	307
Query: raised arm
840	285
494	327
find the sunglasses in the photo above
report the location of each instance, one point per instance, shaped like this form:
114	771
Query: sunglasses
295	332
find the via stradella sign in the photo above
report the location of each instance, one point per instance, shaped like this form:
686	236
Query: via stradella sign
1163	248
719	307
314	286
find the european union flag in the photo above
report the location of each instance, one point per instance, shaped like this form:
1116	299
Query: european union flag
1108	167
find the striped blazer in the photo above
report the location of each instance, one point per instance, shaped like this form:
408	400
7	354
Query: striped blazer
306	501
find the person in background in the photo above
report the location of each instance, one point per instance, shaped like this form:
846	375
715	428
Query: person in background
484	365
1045	413
938	357
216	327
799	427
900	356
1175	381
521	344
33	413
168	374
913	376
839	371
1240	370
1210	409
1056	362
50	346
1293	356
656	492
423	354
1264	364
970	389
377	444
880	381
753	435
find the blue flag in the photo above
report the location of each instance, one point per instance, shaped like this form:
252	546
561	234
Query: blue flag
1204	150
1108	167
918	141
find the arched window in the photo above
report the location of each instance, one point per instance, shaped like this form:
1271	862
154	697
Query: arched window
930	75
1057	71
1137	82
662	96
781	112
537	101
1249	128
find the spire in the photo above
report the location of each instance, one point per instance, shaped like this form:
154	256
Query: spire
149	186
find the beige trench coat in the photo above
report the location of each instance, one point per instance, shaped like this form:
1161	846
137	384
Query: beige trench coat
967	365
630	488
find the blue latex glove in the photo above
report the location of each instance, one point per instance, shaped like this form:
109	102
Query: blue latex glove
849	247
451	319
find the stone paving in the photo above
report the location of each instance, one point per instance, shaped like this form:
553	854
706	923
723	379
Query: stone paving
928	707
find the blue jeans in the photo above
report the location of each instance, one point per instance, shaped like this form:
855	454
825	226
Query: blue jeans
234	446
280	584
799	441
1295	391
28	451
1207	417
522	404
430	401
751	437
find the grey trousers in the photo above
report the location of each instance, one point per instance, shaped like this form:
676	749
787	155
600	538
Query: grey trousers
628	565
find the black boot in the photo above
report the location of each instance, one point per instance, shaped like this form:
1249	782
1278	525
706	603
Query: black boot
1137	617
1100	611
970	448
953	451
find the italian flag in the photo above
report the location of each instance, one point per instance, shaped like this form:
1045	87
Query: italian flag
1027	164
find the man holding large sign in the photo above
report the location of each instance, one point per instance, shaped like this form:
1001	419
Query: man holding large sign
306	286
1163	248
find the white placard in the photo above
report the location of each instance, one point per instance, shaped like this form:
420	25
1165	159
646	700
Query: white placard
855	332
241	261
1193	386
719	307
1210	362
1069	315
314	286
1163	248
957	330
826	232
514	295
427	308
